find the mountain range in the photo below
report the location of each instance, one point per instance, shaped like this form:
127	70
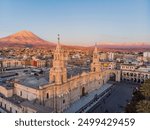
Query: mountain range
124	45
24	39
28	39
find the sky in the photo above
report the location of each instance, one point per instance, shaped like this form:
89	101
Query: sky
80	22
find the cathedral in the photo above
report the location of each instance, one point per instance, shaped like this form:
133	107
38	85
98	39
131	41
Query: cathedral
59	92
66	91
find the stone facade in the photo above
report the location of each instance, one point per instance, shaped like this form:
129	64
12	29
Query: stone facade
58	72
135	76
95	66
61	92
6	63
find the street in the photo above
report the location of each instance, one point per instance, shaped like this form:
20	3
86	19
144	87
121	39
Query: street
117	100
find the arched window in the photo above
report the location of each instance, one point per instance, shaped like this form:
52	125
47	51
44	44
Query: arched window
47	95
20	93
83	91
61	78
10	109
53	78
94	69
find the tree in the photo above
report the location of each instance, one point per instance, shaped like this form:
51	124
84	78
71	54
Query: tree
141	99
143	106
131	107
145	89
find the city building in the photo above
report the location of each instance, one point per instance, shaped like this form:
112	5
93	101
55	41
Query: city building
108	65
146	56
57	92
137	74
38	63
6	63
131	67
111	56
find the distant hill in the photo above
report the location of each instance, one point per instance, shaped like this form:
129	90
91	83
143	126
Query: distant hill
24	39
124	45
28	39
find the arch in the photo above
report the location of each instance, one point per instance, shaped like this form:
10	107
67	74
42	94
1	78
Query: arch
47	95
139	80
94	69
135	80
142	81
127	74
20	93
142	75
139	75
53	78
83	91
112	76
146	76
131	74
10	109
128	79
124	74
135	75
61	78
64	101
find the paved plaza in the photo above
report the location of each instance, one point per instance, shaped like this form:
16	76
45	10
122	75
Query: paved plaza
117	100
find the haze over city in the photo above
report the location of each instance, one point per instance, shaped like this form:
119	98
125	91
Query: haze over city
75	56
78	22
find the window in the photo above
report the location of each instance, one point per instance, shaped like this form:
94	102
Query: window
61	78
10	109
47	95
20	93
94	69
53	78
63	101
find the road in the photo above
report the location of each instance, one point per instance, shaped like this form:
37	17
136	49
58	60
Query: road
2	111
117	100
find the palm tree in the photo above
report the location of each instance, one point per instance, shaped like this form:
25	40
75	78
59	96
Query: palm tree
143	106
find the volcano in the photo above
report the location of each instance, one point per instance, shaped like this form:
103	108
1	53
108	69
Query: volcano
24	39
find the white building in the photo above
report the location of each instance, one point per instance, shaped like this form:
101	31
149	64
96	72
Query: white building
111	56
146	54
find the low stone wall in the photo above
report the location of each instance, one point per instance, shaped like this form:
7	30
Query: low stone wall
6	92
9	106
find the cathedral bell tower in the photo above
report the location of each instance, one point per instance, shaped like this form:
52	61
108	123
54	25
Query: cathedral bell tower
95	65
58	73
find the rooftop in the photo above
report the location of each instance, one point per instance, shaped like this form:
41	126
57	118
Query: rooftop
33	81
14	99
37	107
25	103
129	64
76	71
6	85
